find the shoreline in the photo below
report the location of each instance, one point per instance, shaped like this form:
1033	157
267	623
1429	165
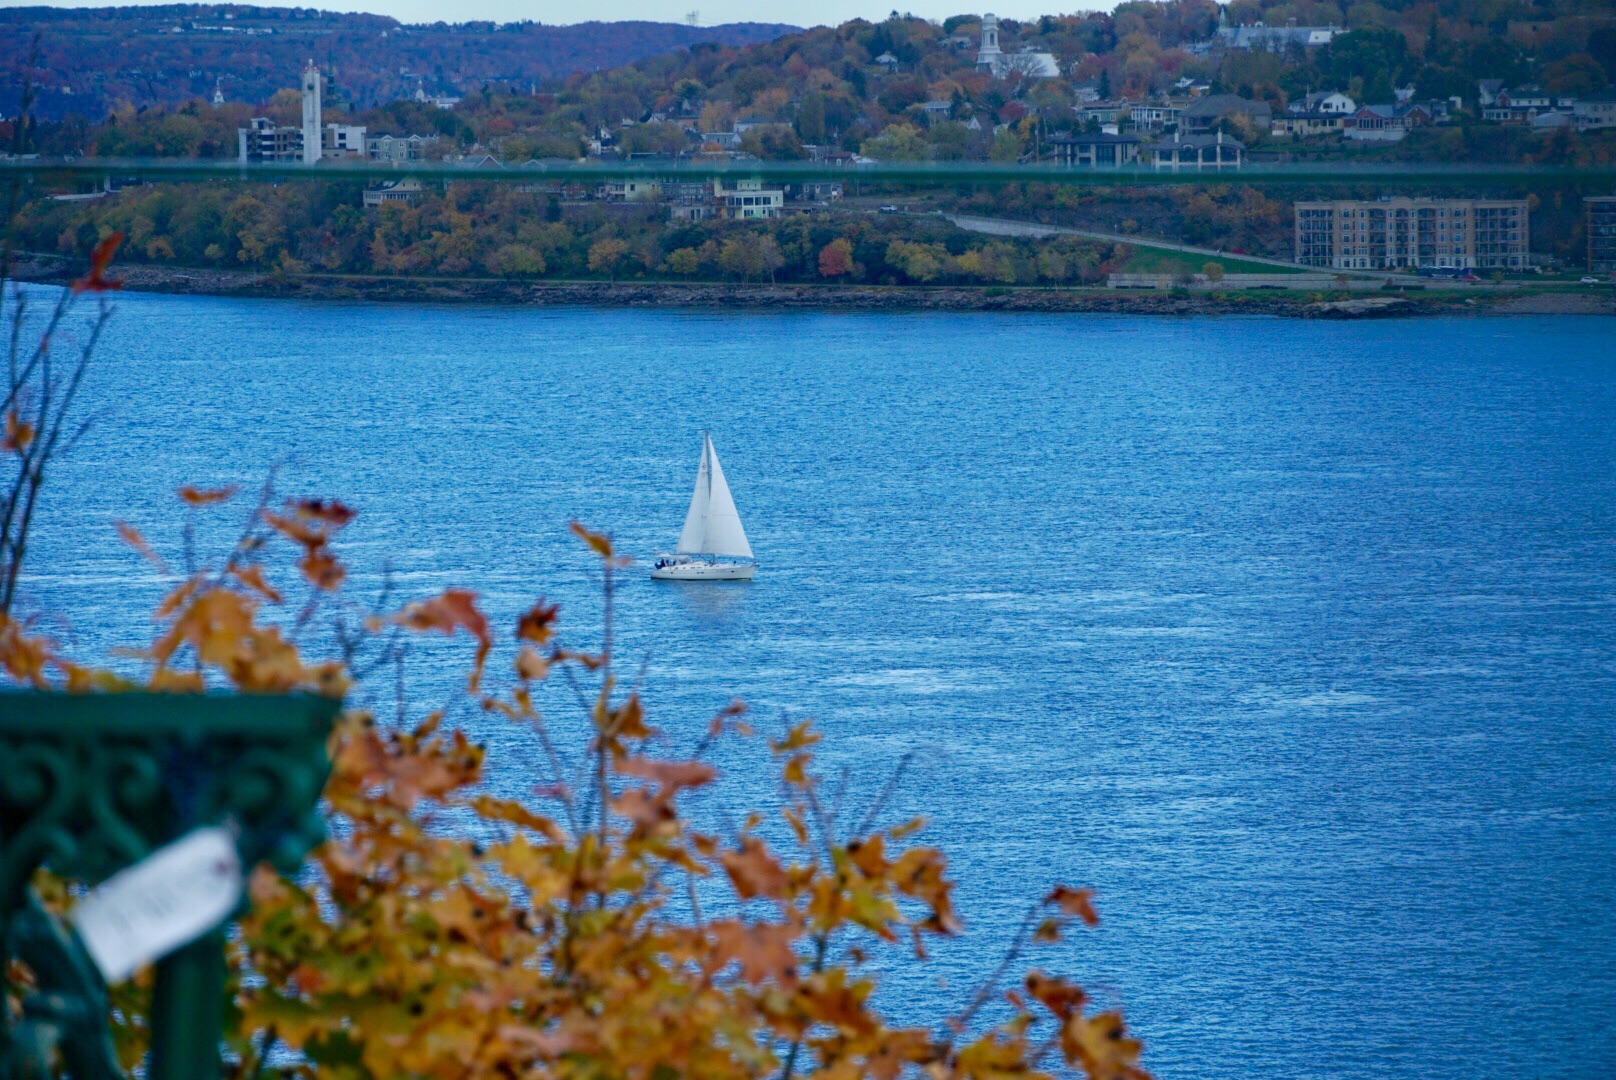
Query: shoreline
729	296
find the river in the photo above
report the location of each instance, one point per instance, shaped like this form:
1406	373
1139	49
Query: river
1294	639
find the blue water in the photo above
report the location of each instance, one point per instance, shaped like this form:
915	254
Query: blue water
1296	640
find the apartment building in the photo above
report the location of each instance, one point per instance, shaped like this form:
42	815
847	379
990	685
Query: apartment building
264	140
746	199
1400	232
1601	229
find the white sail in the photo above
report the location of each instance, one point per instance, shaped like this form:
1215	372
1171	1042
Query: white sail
695	530
724	533
712	524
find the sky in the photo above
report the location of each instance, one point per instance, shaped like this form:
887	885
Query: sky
710	12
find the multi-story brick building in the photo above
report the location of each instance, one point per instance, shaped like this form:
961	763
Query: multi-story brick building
1601	230
1403	233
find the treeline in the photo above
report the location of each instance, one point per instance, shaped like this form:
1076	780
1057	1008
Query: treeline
828	87
477	229
94	61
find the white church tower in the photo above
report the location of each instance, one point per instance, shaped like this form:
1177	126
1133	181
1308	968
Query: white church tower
988	55
311	114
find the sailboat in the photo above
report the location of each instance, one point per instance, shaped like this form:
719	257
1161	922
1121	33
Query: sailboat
712	546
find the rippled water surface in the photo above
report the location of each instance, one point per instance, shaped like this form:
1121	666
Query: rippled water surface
1294	639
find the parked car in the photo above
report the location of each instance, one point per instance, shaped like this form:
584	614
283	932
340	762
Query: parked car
1448	273
1590	280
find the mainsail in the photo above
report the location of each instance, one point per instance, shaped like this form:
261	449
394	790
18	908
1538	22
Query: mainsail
712	525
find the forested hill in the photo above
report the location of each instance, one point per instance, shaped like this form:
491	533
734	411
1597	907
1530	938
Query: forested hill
94	61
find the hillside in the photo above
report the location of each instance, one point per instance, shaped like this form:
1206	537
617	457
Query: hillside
97	60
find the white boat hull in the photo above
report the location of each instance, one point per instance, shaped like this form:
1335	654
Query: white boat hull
704	571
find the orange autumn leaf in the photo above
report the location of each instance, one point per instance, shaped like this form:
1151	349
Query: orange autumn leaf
800	736
19	433
329	511
869	856
193	496
23	657
295	530
100	259
538	623
1078	902
214	623
763	950
1060	997
599	543
754	872
322	570
628	720
132	537
252	576
669	775
517	814
452	610
1102	1047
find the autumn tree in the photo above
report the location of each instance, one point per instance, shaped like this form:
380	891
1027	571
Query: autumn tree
750	255
1005	147
683	261
919	262
899	142
605	255
836	258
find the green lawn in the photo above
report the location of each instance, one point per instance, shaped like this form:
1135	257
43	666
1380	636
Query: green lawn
1154	260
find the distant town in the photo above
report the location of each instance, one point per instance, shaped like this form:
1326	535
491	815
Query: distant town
1185	87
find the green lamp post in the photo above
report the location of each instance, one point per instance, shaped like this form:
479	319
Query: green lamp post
91	785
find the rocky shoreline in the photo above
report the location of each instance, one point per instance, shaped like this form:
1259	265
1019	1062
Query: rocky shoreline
212	282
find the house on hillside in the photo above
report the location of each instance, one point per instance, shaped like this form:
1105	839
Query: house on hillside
746	200
1204	115
1274	39
1595	112
1323	101
626	191
1519	105
1100	151
398	149
1308	125
1155	115
1103	112
1385	123
406	190
1181	152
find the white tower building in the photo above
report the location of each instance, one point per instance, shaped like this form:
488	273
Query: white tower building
988	55
311	114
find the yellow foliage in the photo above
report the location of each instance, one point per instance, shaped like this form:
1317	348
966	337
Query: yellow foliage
571	941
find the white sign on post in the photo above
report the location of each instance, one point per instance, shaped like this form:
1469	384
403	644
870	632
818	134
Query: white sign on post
169	899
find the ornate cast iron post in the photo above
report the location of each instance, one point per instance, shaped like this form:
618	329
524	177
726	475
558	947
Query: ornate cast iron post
91	784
